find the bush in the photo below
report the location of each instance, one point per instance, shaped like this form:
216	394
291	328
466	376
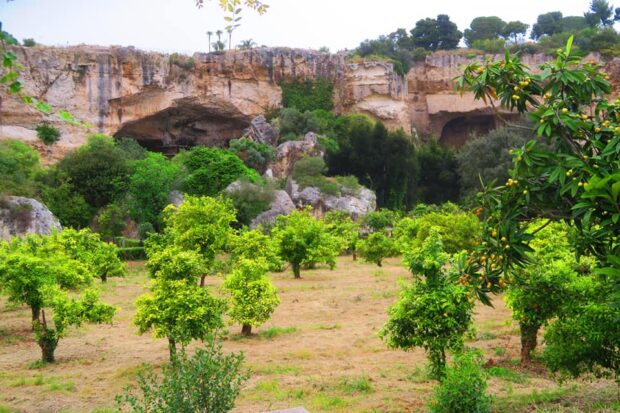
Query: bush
487	158
210	170
182	61
98	170
151	181
29	42
48	134
209	381
19	164
438	179
250	200
254	155
68	206
490	45
459	230
380	220
464	388
308	95
308	171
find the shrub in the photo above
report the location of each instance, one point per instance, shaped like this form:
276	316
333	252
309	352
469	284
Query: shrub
439	178
459	230
341	226
18	165
97	170
380	220
250	200
29	42
464	388
490	45
308	171
182	61
487	158
254	155
67	205
253	296
209	381
151	181
47	134
210	170
308	95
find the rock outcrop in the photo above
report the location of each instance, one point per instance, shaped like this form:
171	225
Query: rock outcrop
261	131
281	205
169	101
290	152
19	216
356	203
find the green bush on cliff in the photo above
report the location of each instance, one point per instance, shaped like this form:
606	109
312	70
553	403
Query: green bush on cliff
308	95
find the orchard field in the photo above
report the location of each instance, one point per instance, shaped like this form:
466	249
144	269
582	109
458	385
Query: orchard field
320	350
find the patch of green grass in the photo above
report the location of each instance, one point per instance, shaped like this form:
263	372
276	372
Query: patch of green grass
270	390
273	369
336	326
6	409
303	354
37	364
418	375
385	294
59	386
328	402
508	375
528	401
131	372
499	351
487	335
353	385
272	332
8	339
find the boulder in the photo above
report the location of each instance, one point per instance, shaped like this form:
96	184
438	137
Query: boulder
290	152
356	203
261	131
176	198
19	216
281	205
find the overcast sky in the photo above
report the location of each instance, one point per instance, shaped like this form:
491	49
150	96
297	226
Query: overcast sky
176	25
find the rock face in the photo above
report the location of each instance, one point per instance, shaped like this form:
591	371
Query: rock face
281	205
169	102
290	152
356	204
261	131
19	216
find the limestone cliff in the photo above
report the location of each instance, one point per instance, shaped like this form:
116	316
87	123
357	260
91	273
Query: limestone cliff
175	101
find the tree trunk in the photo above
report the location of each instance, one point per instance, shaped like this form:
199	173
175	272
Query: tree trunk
203	278
48	343
297	270
354	255
246	330
172	348
379	263
36	312
104	278
529	341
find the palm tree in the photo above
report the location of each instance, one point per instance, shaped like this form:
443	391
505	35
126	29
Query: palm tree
229	30
209	33
219	35
246	44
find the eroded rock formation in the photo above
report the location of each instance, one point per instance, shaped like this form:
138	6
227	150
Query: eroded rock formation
167	102
19	215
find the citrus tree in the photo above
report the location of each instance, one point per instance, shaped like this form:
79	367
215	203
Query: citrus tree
200	224
86	246
341	226
36	271
176	307
377	247
546	285
255	245
253	296
434	311
578	182
303	239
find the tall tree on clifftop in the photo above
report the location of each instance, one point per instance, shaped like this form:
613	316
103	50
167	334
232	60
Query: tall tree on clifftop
436	34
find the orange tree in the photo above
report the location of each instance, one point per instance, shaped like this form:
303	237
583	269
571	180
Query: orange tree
579	183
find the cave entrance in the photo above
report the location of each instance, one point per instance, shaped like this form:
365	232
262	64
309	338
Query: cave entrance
182	127
458	130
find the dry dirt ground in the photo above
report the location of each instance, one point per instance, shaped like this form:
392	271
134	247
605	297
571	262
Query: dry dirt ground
320	350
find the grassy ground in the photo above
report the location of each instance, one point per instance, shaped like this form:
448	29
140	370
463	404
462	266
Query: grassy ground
320	350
